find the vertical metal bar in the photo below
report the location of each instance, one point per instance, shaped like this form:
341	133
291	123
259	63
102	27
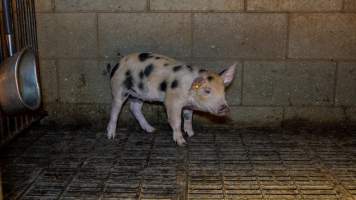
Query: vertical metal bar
19	20
35	27
30	21
8	127
25	23
2	128
8	26
1	195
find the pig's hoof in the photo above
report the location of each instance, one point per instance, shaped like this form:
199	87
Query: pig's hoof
111	134
149	129
190	133
180	141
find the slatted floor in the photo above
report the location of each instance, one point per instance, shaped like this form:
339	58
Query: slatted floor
217	164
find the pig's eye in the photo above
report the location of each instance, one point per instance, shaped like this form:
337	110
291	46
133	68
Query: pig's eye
207	91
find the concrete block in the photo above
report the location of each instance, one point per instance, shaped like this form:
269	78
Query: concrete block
197	5
350	5
329	36
95	5
346	85
238	35
43	5
315	114
165	33
83	81
49	83
78	115
256	116
288	83
67	35
294	5
93	115
233	92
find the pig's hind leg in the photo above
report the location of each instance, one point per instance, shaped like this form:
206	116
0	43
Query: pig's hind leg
187	118
136	109
116	106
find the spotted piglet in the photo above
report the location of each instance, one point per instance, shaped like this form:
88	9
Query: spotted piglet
182	88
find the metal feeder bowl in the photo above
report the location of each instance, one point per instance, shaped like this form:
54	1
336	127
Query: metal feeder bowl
19	86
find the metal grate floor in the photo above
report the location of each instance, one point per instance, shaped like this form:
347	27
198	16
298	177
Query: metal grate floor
217	164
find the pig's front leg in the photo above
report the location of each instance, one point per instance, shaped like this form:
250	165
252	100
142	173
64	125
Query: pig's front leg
174	113
187	117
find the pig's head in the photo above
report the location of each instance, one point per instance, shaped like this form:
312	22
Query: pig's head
208	91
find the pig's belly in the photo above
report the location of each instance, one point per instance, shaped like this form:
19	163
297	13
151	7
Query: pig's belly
150	95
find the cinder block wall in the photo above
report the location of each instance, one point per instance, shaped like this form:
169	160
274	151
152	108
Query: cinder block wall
296	58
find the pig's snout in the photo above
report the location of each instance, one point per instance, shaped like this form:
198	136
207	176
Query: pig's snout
223	110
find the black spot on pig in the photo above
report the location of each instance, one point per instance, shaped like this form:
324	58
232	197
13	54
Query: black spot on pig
210	78
148	70
174	84
202	70
141	74
128	73
157	58
177	68
128	82
163	86
165	64
140	86
144	56
189	67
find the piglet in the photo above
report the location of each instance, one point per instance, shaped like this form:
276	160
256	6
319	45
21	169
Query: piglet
182	88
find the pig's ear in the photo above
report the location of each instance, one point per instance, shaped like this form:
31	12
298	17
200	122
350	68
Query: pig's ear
228	74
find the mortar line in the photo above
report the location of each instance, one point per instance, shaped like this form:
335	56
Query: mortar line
53	6
58	99
242	81
236	106
245	5
287	35
343	6
97	37
148	6
217	59
283	116
203	11
336	73
191	34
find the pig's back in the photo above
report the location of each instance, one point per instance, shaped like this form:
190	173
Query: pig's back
150	76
